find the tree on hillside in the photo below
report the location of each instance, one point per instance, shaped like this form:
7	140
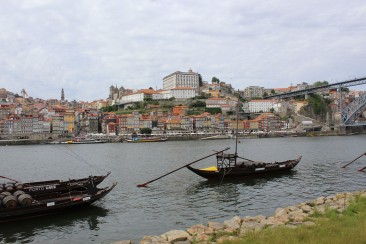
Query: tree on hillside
214	110
215	80
320	83
200	81
197	104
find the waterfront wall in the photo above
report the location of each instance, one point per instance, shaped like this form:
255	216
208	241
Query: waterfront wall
355	130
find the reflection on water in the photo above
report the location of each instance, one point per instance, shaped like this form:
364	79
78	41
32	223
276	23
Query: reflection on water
181	199
21	231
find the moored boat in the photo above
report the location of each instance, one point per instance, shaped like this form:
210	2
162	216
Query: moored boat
45	187
83	140
20	205
146	139
227	166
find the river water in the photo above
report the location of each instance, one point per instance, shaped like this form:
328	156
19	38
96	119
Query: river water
179	200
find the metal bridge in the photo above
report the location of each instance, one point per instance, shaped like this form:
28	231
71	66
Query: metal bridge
347	83
350	114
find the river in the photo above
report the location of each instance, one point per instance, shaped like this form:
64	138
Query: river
179	200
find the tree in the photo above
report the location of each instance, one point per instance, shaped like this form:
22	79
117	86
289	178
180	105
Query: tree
273	91
146	131
265	94
320	83
197	104
200	81
215	80
214	110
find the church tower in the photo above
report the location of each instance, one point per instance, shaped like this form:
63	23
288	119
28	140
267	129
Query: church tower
62	95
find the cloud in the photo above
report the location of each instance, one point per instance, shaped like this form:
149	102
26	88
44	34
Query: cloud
86	46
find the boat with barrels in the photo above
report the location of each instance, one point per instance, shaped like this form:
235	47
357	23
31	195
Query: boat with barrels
20	205
45	187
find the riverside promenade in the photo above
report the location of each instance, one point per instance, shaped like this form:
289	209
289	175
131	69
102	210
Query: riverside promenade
239	227
198	136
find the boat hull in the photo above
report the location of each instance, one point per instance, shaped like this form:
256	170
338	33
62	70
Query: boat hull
58	203
51	186
244	172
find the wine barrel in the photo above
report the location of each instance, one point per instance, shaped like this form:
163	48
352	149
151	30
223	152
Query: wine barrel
10	202
25	200
4	194
9	187
18	193
19	186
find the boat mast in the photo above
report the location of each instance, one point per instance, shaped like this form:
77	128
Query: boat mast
237	127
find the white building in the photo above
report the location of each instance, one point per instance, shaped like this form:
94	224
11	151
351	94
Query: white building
264	106
179	93
182	79
139	96
182	93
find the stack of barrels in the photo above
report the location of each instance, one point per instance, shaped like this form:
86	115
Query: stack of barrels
17	198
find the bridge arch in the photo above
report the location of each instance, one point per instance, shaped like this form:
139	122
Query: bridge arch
353	108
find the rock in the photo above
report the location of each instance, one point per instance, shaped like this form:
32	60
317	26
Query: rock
215	226
340	196
250	226
153	240
297	216
306	209
281	214
226	238
233	223
291	209
271	221
200	229
176	235
320	201
123	242
257	218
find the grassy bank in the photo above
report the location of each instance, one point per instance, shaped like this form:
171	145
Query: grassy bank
330	227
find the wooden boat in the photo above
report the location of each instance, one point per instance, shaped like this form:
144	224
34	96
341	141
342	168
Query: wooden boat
83	140
146	139
21	205
45	187
229	165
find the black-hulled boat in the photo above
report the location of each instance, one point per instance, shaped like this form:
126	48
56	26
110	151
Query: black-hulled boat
228	166
232	166
18	205
45	187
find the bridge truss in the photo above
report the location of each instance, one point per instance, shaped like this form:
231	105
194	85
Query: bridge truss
353	111
347	83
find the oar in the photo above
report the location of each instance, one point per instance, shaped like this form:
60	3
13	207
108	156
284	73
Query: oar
145	184
364	154
8	178
362	169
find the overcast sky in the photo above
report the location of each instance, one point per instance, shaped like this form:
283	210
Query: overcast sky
86	46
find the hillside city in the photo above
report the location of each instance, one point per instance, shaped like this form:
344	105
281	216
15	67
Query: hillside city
186	104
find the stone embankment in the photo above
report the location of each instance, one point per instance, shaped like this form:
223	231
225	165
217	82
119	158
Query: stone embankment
237	227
